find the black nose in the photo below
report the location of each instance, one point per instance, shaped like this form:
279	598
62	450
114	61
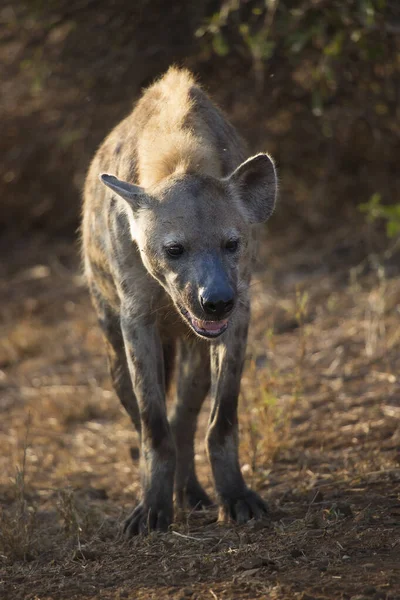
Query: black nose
217	306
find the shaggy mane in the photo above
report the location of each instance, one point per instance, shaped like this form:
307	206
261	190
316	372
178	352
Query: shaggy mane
168	144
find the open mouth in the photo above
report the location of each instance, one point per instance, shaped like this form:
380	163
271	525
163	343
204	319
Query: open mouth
208	329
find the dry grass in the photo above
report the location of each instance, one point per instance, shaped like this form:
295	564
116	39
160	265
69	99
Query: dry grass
17	526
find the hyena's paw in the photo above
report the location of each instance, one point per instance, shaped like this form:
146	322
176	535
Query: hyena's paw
146	518
196	498
242	507
190	494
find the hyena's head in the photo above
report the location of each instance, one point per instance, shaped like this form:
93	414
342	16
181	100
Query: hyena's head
194	234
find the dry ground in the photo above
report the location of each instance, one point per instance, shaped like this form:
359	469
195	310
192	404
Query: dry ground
320	421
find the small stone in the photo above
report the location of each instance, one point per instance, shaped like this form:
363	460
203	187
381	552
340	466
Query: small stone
345	509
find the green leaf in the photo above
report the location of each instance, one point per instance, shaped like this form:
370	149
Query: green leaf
334	48
220	45
392	228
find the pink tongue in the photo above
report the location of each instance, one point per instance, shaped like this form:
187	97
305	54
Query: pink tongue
210	325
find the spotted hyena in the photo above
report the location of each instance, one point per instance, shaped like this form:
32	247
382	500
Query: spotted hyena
168	239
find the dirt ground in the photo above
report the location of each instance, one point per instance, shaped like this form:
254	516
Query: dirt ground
320	439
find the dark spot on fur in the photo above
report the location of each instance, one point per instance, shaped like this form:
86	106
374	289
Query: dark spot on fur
132	168
118	148
124	287
133	334
101	273
139	365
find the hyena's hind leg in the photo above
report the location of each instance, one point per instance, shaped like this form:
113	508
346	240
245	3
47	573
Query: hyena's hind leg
193	384
110	324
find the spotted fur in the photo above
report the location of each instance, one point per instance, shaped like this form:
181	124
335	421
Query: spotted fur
175	175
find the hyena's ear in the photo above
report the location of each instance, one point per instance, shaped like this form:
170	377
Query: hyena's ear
133	194
257	183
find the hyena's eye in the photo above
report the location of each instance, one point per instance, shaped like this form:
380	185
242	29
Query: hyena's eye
174	250
232	245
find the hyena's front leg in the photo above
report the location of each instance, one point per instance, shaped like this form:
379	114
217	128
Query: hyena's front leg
236	500
145	360
193	385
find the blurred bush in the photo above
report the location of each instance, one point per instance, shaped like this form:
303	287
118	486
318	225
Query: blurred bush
390	214
326	81
315	82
